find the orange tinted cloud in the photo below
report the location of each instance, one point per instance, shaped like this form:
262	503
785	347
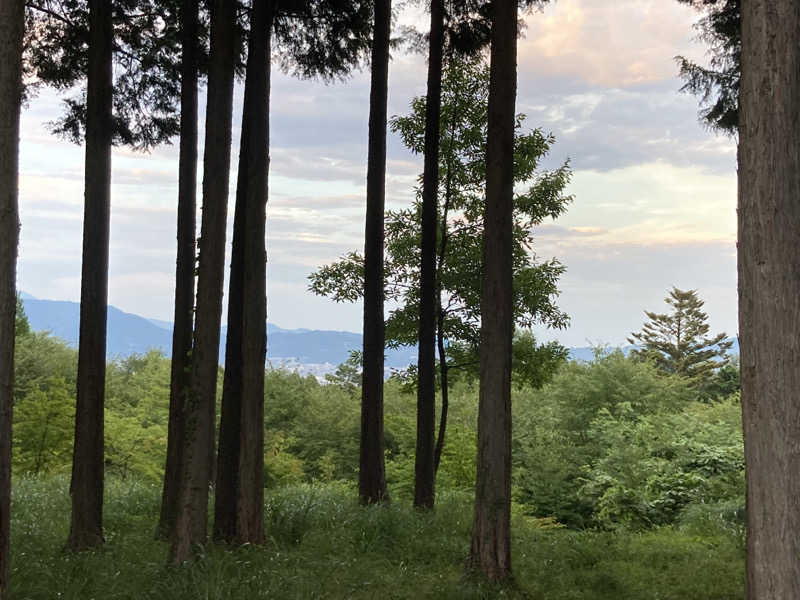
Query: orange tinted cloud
611	43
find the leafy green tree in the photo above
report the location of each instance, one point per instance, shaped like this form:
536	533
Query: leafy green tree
22	326
462	172
678	341
43	427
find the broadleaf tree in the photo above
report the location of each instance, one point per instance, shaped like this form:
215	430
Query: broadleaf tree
462	193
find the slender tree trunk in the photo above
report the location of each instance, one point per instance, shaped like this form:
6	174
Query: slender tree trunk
769	292
184	268
86	487
191	521
372	470
424	489
491	548
240	470
11	28
440	313
443	376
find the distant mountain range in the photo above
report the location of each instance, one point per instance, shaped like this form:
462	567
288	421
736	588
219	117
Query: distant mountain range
308	351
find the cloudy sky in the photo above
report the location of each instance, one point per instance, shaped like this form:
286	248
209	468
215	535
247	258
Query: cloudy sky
654	192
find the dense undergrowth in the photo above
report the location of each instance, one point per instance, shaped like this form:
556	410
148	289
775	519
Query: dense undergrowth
627	483
322	544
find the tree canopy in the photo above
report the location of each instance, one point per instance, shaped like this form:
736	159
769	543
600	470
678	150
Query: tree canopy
461	197
717	85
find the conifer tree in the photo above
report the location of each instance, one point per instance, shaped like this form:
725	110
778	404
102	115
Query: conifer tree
678	341
11	28
717	84
372	469
769	293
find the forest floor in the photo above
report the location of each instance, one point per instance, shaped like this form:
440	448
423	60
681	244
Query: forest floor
322	544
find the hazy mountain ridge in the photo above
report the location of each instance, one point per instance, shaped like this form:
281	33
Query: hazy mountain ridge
307	351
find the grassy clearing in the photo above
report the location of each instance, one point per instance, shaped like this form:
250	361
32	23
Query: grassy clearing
323	545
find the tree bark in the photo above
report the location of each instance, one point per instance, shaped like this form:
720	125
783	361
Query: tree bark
240	469
86	487
769	292
424	488
491	548
192	519
372	469
11	29
184	268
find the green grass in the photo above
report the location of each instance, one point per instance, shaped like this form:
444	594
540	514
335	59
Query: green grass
322	544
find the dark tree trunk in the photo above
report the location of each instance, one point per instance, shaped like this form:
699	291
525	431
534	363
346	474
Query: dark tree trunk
372	470
444	369
491	549
424	490
240	479
184	268
769	292
250	498
11	28
86	487
191	520
443	376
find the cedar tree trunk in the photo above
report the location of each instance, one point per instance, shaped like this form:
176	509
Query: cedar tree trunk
240	470
491	551
192	518
769	293
11	28
86	487
424	492
184	268
372	470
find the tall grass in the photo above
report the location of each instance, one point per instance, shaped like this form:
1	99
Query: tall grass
322	544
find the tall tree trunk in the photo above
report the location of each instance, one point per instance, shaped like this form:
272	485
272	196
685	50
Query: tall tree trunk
491	548
86	487
769	292
184	268
191	521
250	497
11	28
372	469
240	470
424	490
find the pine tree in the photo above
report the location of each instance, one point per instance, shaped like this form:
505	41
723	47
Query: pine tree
678	341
